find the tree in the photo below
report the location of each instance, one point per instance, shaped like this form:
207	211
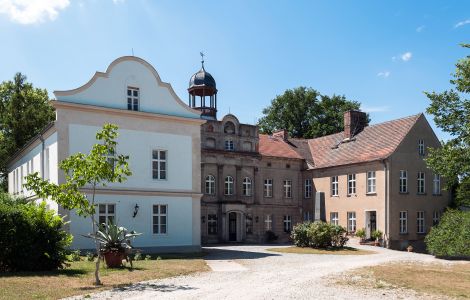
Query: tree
24	112
305	113
451	110
101	166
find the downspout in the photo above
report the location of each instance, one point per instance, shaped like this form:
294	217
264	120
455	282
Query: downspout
387	204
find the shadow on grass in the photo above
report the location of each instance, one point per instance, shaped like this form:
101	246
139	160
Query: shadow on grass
66	272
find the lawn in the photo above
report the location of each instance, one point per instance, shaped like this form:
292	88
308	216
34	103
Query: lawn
79	277
451	280
331	251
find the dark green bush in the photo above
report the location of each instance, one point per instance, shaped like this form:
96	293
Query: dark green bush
319	235
451	237
31	237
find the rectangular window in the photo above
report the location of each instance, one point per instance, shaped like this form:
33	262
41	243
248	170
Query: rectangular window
403	181
268	222
334	186
421	183
268	187
287	224
229	145
307	216
308	188
334	218
106	213
160	219
403	222
421	147
351	221
212	224
351	184
436	184
420	222
371	182
132	98
159	166
436	216
288	188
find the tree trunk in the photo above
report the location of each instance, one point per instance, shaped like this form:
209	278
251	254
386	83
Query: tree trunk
97	244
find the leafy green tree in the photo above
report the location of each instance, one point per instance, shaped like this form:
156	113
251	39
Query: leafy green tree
451	110
98	168
305	113
24	112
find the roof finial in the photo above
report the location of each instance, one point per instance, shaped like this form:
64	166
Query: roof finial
202	58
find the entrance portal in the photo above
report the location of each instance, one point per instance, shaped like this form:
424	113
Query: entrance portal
371	223
232	227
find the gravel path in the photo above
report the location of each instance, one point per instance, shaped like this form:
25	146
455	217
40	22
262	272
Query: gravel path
252	272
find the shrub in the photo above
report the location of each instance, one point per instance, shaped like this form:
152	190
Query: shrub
31	237
75	255
148	257
361	233
90	256
138	256
451	237
319	235
376	234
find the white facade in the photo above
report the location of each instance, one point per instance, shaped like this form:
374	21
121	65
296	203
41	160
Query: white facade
157	120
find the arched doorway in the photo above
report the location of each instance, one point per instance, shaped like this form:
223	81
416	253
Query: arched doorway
232	227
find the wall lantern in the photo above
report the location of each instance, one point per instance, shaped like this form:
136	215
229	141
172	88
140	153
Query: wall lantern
256	219
136	210
203	219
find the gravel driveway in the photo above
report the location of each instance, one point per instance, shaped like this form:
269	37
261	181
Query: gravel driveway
252	272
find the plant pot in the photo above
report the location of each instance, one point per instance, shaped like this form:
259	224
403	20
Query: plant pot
376	243
113	259
362	241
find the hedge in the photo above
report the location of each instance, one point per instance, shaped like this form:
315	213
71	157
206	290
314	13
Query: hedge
319	235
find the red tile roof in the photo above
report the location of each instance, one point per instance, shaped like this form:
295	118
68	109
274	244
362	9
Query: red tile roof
375	142
276	147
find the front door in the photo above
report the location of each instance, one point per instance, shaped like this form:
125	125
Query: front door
373	221
232	227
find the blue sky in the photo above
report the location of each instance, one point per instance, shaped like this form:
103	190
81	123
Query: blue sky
383	54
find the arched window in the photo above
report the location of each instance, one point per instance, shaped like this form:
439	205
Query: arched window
229	128
246	186
210	143
228	185
210	185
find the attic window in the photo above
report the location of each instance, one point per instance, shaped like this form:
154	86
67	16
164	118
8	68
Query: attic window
133	98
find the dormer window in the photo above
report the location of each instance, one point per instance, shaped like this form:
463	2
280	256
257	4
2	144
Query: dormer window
133	98
229	145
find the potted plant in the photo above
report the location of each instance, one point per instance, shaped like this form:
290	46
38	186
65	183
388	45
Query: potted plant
376	235
409	248
114	241
361	233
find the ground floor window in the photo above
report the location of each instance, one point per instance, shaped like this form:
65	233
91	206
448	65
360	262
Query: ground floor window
403	222
106	213
334	218
212	224
287	224
268	222
160	219
307	216
351	221
420	222
249	224
436	215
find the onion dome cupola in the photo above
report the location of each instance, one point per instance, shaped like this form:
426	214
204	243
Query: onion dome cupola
203	93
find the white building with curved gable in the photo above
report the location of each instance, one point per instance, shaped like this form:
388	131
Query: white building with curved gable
159	133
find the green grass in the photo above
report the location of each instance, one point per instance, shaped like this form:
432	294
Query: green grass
78	278
331	251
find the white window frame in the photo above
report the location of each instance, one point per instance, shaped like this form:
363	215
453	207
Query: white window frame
268	188
159	215
288	188
209	187
421	183
287	224
334	218
403	184
229	146
228	186
106	214
308	188
436	216
334	186
421	149
352	221
159	161
246	190
351	184
133	101
371	182
268	222
403	222
420	222
436	184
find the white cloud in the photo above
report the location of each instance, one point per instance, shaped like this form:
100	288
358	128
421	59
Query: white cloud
384	74
462	23
32	11
420	28
406	56
118	1
371	109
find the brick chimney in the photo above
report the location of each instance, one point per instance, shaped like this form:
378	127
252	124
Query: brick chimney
354	122
281	134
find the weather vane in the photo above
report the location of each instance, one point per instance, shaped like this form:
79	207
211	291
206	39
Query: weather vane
202	58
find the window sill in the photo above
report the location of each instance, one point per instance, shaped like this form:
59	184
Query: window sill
421	194
403	193
403	233
352	195
421	233
335	196
437	194
371	194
